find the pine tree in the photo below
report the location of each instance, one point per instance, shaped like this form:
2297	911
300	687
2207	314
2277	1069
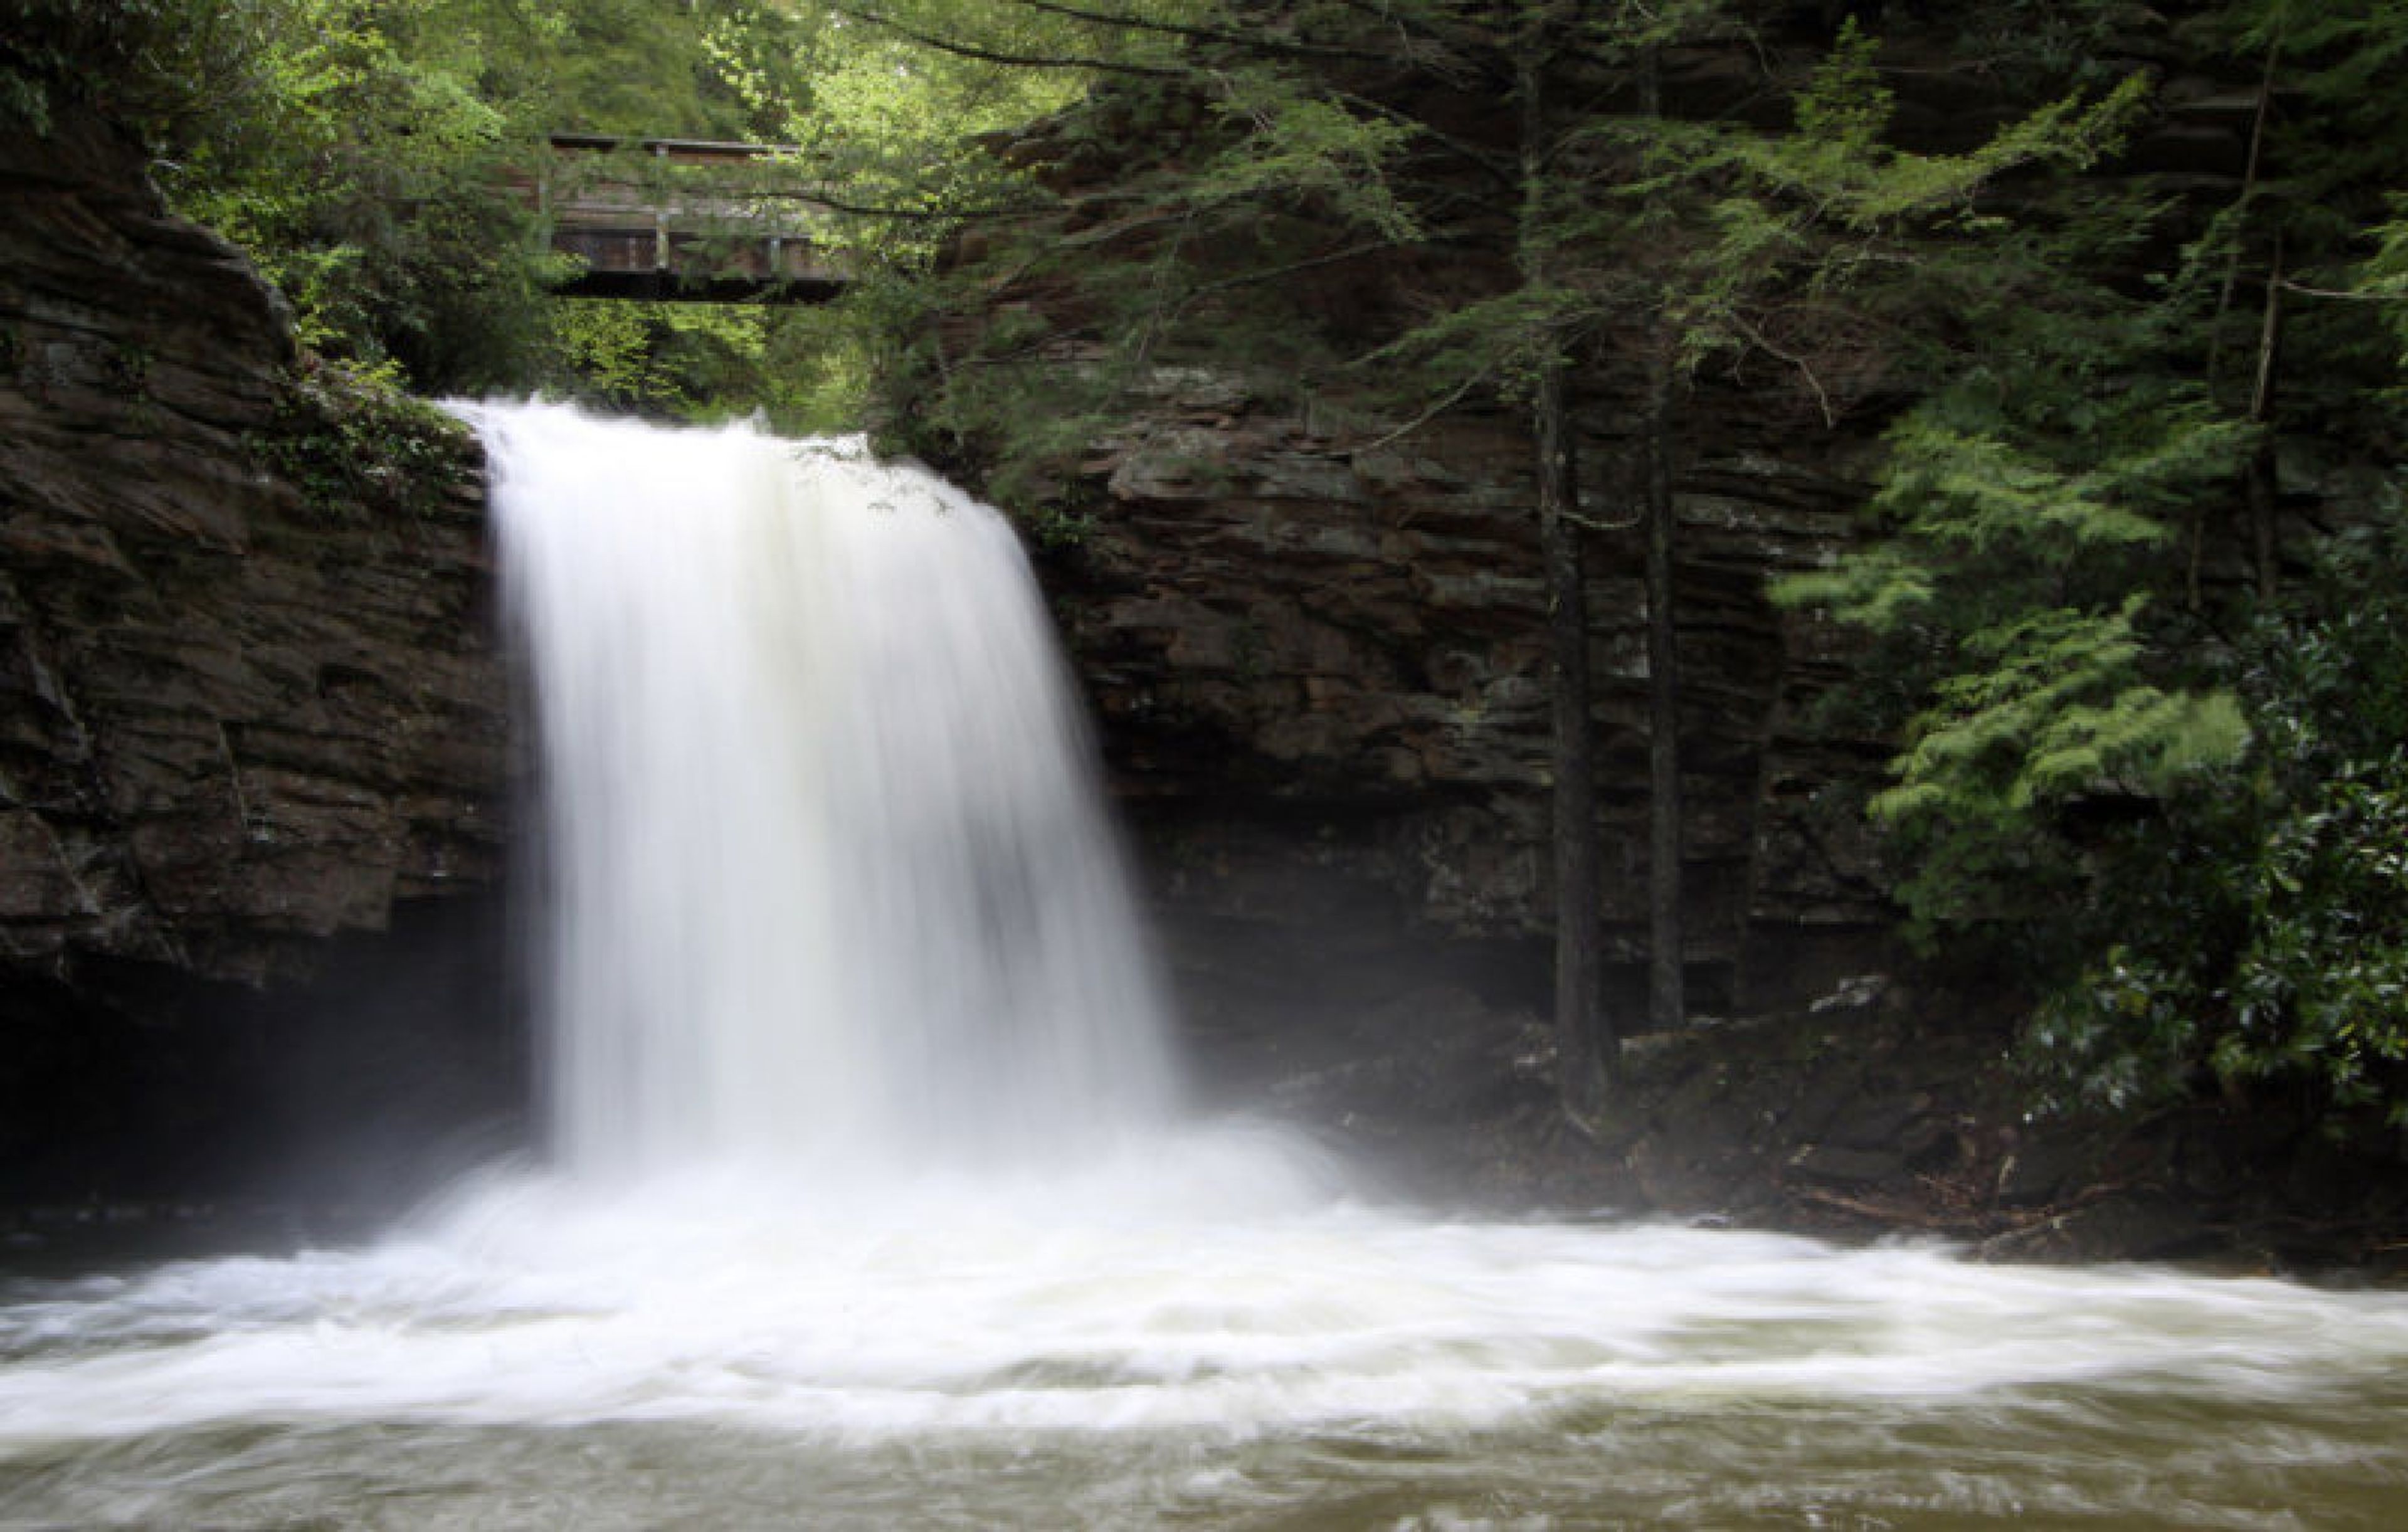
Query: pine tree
1639	242
2157	787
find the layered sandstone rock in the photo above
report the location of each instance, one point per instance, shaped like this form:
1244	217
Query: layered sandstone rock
249	694
1350	645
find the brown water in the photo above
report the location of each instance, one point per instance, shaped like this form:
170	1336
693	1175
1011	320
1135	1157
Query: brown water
2094	1457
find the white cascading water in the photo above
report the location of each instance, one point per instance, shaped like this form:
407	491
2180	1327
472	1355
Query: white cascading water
831	889
866	1146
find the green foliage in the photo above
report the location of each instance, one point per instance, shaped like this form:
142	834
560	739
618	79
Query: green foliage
805	371
2346	56
362	151
361	179
1270	163
1845	108
2262	922
1293	148
172	70
357	446
2384	278
2055	709
907	132
2033	514
1211	265
2169	803
2042	45
626	355
2322	987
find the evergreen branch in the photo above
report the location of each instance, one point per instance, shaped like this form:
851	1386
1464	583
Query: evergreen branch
1017	60
1479	159
1162	313
1270	274
1411	29
1265	47
1454	397
1102	233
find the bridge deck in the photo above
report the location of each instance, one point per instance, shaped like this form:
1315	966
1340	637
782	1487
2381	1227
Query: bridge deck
643	229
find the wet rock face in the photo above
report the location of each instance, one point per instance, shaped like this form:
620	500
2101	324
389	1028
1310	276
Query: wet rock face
1350	646
241	707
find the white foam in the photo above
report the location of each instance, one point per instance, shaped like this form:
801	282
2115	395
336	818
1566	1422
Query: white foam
1105	1304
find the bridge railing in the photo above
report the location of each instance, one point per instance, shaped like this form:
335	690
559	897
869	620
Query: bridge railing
645	217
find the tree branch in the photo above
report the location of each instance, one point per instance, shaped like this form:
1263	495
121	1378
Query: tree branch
1018	61
2303	290
917	215
1204	34
1250	278
1757	339
1481	160
1454	397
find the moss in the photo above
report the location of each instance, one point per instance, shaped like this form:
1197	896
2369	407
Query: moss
356	445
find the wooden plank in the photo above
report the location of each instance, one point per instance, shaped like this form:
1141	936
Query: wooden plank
644	239
694	150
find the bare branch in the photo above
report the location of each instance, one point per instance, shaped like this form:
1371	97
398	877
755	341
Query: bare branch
1272	274
1454	397
2341	295
1757	339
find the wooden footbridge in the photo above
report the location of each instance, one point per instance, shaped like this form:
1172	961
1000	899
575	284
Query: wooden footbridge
679	218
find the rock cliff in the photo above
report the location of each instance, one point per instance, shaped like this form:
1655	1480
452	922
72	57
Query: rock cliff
250	695
1342	654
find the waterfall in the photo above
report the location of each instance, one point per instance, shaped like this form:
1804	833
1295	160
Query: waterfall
872	1205
827	889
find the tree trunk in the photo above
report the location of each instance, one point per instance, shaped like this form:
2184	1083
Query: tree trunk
2258	485
1584	1055
1667	1003
2265	536
1583	1049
